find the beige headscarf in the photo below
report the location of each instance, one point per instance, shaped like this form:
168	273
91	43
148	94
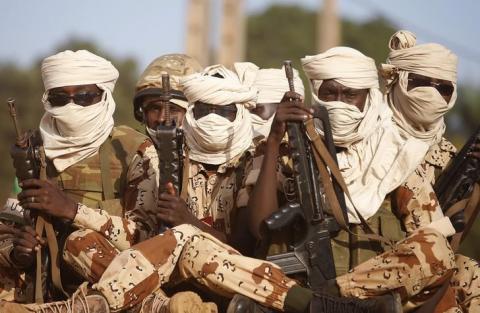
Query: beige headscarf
71	132
376	159
418	112
353	69
213	139
271	84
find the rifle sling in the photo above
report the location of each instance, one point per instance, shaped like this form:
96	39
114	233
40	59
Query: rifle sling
105	151
323	160
472	208
44	224
185	176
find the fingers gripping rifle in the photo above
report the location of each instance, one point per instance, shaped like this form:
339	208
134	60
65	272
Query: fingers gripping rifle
29	162
456	184
312	252
170	139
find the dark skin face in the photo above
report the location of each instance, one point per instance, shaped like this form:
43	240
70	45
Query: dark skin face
330	90
86	94
154	110
444	87
202	109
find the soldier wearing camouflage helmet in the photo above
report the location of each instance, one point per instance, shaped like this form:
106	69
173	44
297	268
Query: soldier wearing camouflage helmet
147	107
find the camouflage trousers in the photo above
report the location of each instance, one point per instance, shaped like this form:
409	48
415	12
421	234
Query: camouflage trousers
184	252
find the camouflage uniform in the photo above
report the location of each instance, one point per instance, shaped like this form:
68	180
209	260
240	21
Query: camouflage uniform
103	231
99	231
417	205
184	252
14	284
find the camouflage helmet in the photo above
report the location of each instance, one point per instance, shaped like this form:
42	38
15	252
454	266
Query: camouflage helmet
150	83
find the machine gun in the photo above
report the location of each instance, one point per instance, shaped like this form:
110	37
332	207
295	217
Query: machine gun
312	251
171	140
457	181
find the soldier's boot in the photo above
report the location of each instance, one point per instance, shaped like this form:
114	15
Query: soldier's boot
323	303
76	304
181	302
243	304
389	302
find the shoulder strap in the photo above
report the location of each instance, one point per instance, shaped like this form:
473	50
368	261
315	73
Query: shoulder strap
324	160
105	151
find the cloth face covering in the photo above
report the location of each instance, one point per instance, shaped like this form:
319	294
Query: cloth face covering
71	132
419	112
213	139
376	159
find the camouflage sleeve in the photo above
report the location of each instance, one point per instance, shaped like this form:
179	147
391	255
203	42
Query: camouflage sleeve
139	195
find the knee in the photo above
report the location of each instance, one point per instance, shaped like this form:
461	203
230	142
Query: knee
436	251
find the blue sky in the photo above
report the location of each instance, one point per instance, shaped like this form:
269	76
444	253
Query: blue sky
145	29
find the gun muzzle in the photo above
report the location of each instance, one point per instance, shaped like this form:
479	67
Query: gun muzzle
19	136
287	64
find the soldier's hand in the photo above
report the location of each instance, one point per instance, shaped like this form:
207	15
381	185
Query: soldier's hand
25	244
7	231
172	209
46	198
290	109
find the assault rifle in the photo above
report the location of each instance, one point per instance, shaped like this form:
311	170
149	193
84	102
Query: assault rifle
457	181
171	139
312	251
29	162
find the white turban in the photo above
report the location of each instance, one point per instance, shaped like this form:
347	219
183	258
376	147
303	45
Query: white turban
353	69
71	132
213	139
376	159
418	112
271	85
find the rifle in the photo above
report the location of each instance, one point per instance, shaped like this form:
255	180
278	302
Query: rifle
29	162
457	181
170	138
312	251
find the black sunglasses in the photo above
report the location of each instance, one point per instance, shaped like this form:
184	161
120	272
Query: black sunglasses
202	109
82	98
444	89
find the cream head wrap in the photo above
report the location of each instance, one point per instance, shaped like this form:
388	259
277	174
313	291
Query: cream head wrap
71	132
214	139
271	84
376	159
418	112
350	68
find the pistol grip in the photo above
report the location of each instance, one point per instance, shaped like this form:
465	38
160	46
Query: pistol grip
284	216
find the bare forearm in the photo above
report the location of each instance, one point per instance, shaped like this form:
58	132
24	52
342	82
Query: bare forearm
263	201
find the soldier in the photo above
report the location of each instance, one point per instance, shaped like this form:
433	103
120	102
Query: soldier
421	88
374	159
184	251
97	172
147	108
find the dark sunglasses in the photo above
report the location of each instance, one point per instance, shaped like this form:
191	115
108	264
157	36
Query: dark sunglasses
444	89
227	111
82	98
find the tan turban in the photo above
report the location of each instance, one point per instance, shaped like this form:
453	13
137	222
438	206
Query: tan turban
353	69
213	139
71	132
271	85
418	112
376	159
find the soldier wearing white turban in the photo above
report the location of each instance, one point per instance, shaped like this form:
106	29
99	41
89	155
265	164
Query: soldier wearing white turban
101	178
